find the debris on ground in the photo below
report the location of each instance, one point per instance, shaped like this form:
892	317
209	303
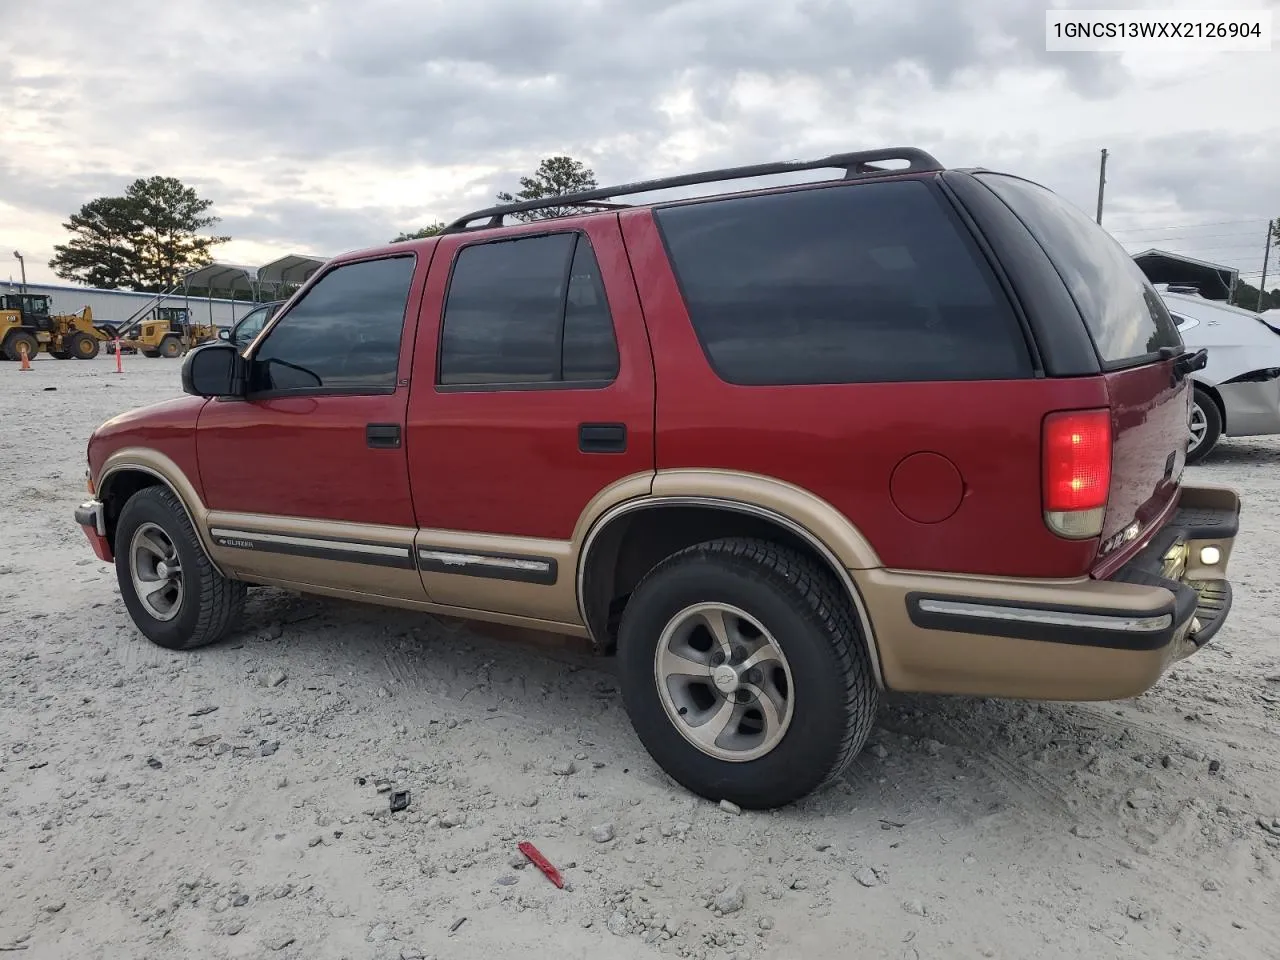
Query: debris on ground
542	863
1037	792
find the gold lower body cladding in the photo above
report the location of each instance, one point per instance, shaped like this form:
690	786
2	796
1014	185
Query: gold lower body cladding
1080	639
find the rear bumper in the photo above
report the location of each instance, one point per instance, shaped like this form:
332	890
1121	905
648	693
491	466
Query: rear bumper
1070	640
92	519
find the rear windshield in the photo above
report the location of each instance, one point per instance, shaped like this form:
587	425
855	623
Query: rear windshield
1125	315
855	283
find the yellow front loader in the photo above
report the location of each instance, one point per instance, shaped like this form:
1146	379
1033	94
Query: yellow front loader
26	322
166	332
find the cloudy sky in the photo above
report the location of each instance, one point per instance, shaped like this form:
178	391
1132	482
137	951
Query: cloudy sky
318	126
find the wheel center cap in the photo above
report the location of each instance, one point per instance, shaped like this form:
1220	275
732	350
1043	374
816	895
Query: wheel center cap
162	569
725	678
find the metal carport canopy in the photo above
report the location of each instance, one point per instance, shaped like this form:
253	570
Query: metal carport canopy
292	269
1215	281
220	276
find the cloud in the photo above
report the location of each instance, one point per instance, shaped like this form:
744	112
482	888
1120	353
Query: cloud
324	124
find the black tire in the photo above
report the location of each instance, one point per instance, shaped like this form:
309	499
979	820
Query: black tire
59	354
170	347
211	604
151	353
834	694
1203	406
82	346
13	345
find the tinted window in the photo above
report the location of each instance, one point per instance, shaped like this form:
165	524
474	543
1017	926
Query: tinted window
844	284
1125	315
343	334
251	325
530	310
590	349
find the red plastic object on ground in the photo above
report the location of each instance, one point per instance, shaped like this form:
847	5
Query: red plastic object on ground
541	862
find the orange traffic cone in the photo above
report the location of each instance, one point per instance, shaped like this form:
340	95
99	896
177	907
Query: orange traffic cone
26	361
119	368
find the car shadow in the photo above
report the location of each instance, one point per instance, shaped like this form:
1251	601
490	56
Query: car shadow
1263	451
954	763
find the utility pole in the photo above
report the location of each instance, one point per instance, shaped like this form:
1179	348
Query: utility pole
1266	257
23	264
1102	182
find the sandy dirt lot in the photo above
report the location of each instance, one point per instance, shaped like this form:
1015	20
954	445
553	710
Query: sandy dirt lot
225	803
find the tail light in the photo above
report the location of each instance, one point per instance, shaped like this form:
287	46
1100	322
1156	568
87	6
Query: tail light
1077	471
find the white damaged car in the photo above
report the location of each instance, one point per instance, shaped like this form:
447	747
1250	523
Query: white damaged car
1237	394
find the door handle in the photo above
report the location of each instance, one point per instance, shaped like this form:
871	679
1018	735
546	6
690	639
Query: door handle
382	436
602	437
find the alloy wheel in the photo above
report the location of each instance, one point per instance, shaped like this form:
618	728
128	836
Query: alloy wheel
724	682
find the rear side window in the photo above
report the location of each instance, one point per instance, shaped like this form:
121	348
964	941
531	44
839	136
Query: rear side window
527	311
1125	315
846	284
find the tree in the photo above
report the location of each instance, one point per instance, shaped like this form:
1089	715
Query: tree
431	230
554	177
1248	296
99	253
144	240
169	215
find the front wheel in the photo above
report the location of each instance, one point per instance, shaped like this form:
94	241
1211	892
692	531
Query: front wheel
21	342
82	346
171	590
1205	426
744	672
170	347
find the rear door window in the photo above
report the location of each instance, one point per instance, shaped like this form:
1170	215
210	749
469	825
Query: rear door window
1125	315
529	310
843	284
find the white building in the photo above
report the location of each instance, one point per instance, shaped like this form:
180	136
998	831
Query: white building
117	306
278	278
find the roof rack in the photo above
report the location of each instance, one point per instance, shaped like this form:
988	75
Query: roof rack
862	163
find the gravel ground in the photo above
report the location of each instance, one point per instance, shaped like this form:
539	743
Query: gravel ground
225	803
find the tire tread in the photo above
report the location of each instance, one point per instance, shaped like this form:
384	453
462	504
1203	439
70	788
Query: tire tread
825	603
220	599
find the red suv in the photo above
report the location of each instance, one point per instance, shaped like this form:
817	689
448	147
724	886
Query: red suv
907	429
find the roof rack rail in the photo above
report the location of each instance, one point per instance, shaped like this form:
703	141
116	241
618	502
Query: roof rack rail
862	163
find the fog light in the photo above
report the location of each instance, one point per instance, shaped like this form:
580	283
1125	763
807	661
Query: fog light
1209	556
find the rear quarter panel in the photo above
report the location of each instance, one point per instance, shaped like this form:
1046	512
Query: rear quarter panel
1149	423
844	442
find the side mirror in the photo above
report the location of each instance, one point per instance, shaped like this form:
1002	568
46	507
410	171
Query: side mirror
214	370
224	334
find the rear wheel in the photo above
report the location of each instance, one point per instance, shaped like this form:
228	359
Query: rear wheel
59	354
1205	426
171	590
150	353
13	346
744	672
170	347
82	346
